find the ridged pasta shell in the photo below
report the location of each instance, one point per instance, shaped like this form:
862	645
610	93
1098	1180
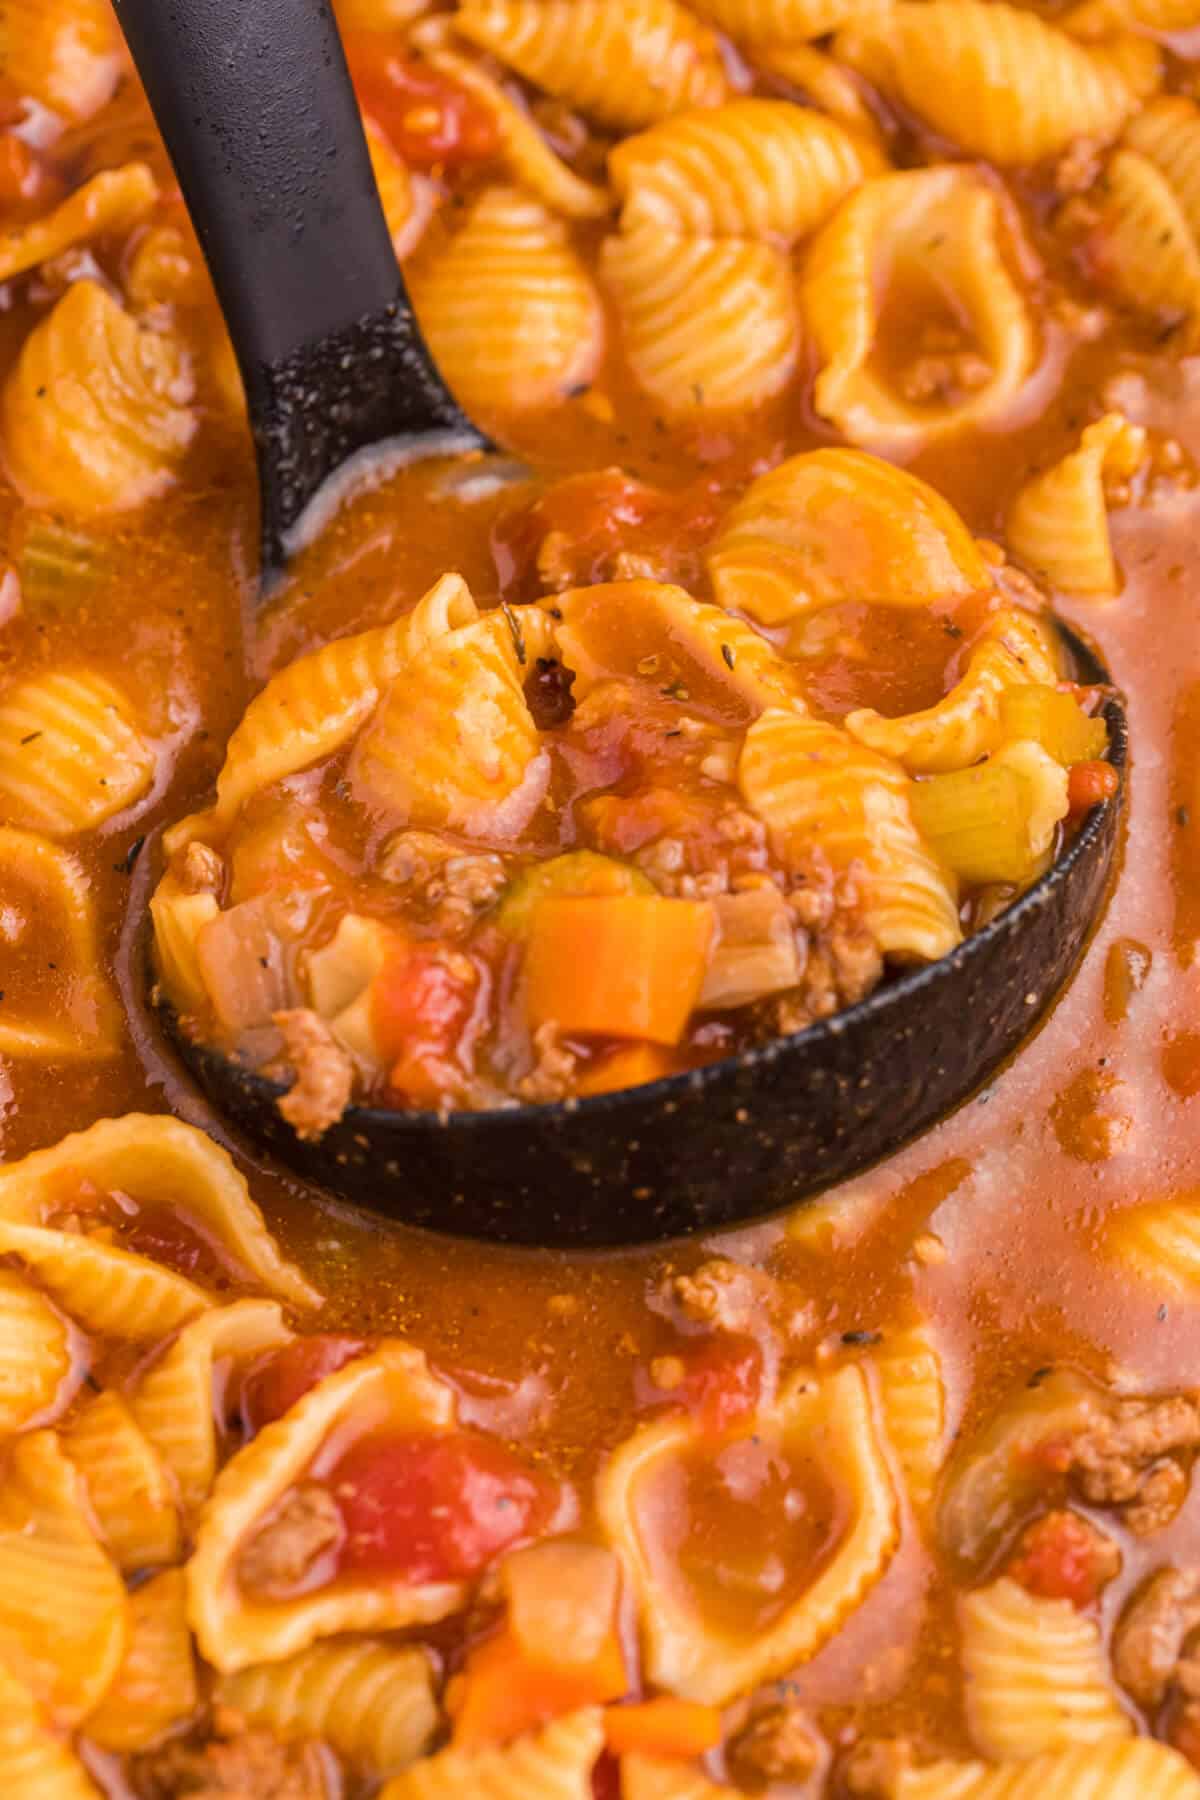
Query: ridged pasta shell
1015	650
64	1616
105	1289
70	753
1167	133
834	525
836	91
751	168
87	1024
719	658
36	1764
64	53
36	1353
392	1388
1136	1769
316	704
408	200
1035	1673
834	1420
153	1157
511	314
112	201
96	413
373	1703
553	1764
453	743
1143	246
998	81
624	66
1160	1243
530	160
758	22
129	1490
155	1688
173	1403
821	793
912	1399
1058	524
708	325
944	228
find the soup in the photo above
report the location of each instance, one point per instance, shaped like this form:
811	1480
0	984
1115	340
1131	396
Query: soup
844	348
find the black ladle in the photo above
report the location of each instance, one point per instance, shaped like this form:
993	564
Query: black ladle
732	1141
254	102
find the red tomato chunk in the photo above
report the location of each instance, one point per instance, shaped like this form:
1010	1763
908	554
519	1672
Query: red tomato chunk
426	117
1063	1557
420	1009
721	1381
435	1508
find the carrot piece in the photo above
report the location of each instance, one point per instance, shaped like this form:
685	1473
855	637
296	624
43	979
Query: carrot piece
663	1727
503	1693
628	1067
627	966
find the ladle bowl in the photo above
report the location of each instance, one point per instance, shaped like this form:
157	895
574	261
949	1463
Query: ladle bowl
729	1142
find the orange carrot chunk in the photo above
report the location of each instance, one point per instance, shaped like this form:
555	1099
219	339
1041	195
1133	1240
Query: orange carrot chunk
663	1727
502	1693
624	966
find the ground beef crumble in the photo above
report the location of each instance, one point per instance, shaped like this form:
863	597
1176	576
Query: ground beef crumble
778	1742
873	1769
1126	1458
553	1073
237	1764
322	1073
453	885
303	1528
203	871
1149	1643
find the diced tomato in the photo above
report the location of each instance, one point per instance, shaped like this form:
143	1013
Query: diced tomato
174	1240
273	1386
420	1006
426	117
606	1778
436	1508
1089	783
1062	1557
1053	1454
721	1383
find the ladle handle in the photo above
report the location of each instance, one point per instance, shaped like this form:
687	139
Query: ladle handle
255	104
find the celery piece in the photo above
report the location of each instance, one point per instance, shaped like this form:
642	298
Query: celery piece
995	822
1055	721
977	822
